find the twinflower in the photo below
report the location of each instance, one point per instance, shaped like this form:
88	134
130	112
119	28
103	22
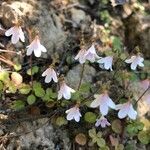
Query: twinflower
50	75
103	122
135	61
104	102
106	62
36	47
126	109
81	56
65	91
73	113
16	33
91	54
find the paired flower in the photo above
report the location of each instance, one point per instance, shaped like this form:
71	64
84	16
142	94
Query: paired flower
126	109
73	113
65	91
36	47
16	33
91	54
81	56
135	61
50	74
106	62
104	102
103	122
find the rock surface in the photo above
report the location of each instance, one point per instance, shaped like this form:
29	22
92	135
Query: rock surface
43	137
73	76
36	16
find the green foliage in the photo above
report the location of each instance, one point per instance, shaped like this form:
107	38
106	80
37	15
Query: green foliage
144	137
31	99
17	67
38	90
105	16
4	76
34	70
116	126
90	117
1	86
117	44
11	87
97	138
25	89
50	95
17	105
134	127
61	121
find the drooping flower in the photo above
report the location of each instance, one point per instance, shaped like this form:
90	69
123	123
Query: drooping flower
16	33
73	113
104	102
36	47
65	91
126	109
81	56
135	61
50	74
106	62
103	122
91	54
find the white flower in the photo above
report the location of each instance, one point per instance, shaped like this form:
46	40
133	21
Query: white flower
36	47
50	74
104	102
91	54
106	62
65	91
73	113
81	56
135	61
103	122
16	33
126	109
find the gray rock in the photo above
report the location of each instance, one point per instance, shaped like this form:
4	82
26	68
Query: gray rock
44	136
36	16
73	76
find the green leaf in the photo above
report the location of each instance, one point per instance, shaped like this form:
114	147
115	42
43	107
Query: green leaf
117	43
31	99
17	67
85	87
144	137
61	121
92	132
1	86
4	76
101	142
39	92
18	104
34	70
119	147
50	93
116	126
25	89
90	117
99	134
11	87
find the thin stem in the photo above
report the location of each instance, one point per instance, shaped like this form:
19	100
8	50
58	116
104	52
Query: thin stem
31	71
3	59
81	76
9	51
